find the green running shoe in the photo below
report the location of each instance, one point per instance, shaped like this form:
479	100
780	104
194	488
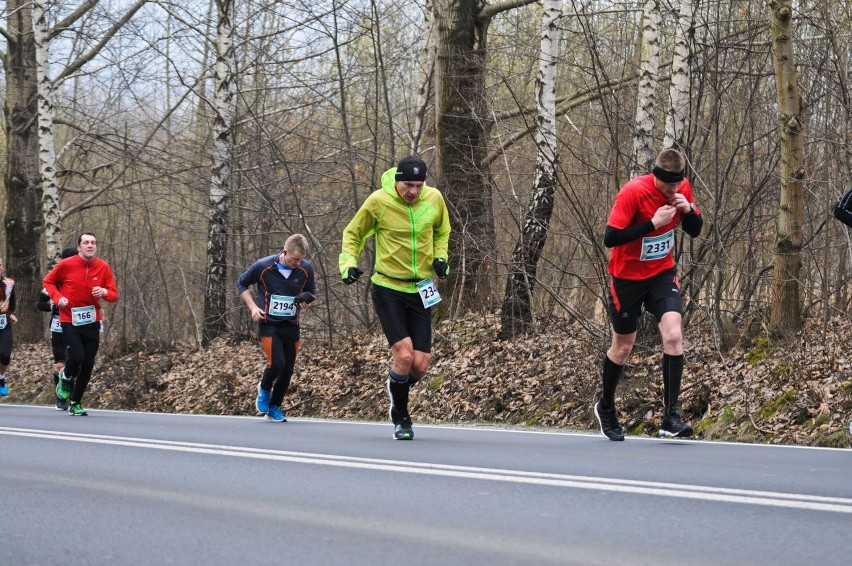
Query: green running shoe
77	410
63	386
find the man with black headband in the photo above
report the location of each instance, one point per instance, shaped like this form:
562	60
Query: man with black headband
641	232
843	210
412	229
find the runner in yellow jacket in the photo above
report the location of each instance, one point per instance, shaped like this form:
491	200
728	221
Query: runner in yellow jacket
412	228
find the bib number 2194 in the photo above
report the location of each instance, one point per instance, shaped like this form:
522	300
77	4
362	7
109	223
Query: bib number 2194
280	305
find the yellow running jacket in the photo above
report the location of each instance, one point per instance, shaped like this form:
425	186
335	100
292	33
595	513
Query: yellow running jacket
408	236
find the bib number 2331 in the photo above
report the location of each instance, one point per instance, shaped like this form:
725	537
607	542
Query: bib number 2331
657	247
428	293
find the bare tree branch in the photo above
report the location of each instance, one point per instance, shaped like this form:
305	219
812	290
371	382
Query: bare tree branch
81	10
76	65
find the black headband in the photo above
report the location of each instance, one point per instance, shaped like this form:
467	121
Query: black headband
667	176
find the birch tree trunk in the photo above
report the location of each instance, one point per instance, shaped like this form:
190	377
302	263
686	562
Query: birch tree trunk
23	215
516	314
224	98
786	313
678	112
644	150
46	148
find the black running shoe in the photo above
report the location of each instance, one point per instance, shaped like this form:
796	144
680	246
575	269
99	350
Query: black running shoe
61	404
674	427
403	431
609	422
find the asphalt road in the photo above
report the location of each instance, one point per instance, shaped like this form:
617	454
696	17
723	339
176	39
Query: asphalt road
136	488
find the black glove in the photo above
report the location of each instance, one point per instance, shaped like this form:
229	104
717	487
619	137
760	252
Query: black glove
352	275
441	267
303	298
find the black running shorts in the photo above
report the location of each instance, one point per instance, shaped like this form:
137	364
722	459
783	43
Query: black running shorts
659	294
403	315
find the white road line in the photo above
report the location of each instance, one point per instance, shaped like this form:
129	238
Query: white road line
705	493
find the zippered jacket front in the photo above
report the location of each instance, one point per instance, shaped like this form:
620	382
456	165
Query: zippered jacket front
408	236
265	273
77	276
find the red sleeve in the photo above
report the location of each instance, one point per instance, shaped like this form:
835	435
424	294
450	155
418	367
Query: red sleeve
49	283
623	211
109	285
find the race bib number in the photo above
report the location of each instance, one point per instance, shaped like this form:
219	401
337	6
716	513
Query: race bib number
657	247
428	293
83	315
279	305
2	321
55	325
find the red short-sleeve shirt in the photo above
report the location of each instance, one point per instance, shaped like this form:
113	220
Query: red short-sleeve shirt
635	204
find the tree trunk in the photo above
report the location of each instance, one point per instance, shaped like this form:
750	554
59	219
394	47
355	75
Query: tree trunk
839	57
786	315
422	123
23	215
461	146
217	287
51	210
678	112
516	314
644	147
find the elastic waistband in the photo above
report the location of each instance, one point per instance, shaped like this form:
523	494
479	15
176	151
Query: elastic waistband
413	280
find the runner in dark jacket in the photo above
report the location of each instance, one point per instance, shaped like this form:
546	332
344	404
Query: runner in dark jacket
57	343
843	210
7	319
285	284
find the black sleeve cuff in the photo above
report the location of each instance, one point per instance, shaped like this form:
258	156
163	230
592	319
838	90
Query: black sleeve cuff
692	224
615	237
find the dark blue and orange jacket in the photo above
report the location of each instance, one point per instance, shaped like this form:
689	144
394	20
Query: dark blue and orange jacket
265	274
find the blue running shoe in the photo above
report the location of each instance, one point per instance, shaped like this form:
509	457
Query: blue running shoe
276	414
4	389
262	401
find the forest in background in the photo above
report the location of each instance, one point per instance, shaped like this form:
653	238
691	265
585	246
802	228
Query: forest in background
318	99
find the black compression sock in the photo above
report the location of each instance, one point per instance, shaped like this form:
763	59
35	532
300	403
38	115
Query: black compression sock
611	375
672	373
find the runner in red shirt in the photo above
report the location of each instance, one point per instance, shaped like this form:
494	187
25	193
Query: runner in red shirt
76	285
641	233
